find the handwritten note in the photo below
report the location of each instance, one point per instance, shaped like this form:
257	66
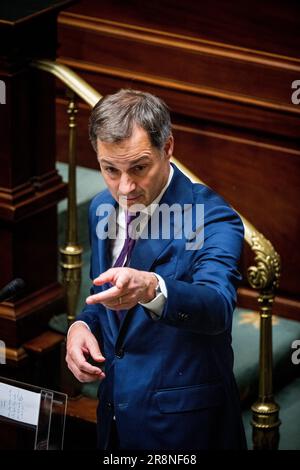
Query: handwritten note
19	404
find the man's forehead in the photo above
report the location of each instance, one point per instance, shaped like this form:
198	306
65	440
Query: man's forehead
132	161
129	150
138	136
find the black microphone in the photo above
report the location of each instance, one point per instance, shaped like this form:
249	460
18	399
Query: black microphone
11	289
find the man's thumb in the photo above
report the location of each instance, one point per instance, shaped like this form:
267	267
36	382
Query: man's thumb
96	353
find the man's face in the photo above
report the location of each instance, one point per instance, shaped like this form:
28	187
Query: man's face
134	171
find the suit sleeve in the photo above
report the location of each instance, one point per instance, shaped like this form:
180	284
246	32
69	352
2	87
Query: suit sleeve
206	303
90	313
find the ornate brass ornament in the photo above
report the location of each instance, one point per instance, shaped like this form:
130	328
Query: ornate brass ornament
264	277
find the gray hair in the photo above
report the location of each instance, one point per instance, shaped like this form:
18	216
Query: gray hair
113	117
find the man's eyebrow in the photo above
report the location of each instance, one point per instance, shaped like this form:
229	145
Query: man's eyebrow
134	162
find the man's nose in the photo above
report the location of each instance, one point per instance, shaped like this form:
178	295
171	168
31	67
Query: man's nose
126	184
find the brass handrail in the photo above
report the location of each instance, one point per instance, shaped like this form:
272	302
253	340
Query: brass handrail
71	79
263	277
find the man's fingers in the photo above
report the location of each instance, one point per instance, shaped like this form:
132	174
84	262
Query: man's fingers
122	280
87	368
118	276
78	353
83	376
77	359
107	276
94	350
106	296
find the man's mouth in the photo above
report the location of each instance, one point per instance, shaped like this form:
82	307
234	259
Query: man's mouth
130	198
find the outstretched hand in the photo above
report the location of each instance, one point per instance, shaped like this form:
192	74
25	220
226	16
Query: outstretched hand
129	286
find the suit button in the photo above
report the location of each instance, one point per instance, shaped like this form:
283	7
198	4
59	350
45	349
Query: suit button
183	316
120	353
109	405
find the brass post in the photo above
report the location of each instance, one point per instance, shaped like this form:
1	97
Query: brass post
71	253
265	277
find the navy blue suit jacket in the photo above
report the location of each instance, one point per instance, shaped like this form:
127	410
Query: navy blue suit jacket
169	382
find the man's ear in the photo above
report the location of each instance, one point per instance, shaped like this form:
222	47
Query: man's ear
169	146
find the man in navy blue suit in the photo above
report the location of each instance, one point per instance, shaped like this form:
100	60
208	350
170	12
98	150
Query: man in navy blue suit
164	270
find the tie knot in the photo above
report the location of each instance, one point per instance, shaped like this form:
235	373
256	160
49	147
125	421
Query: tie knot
129	218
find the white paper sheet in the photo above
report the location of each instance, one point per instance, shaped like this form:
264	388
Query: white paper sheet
19	404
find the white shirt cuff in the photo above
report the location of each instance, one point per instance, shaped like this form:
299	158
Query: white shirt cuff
156	305
78	321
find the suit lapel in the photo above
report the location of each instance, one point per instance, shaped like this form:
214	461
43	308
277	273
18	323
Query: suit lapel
147	250
105	261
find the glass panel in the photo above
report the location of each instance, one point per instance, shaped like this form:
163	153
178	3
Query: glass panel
31	417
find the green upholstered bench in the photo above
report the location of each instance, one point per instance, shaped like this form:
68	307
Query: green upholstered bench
245	342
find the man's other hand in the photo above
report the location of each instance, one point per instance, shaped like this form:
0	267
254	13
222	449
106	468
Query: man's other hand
82	345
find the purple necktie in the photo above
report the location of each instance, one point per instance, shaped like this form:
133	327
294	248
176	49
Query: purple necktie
128	244
125	253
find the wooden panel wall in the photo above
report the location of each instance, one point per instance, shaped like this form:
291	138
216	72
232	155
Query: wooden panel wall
225	69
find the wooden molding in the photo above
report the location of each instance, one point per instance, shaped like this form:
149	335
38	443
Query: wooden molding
16	194
83	408
156	57
21	202
15	355
238	140
31	303
182	42
177	85
31	13
44	342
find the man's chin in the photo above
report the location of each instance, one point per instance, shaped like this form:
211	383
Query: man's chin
130	203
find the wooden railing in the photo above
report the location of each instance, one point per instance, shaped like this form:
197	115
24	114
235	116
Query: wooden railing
263	275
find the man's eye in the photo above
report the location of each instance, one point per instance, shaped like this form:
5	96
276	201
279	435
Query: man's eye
139	168
111	169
